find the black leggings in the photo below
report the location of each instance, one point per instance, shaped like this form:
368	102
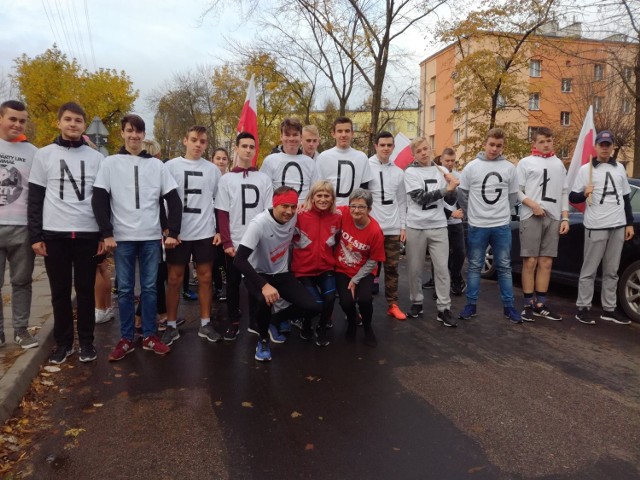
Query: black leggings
364	298
291	290
219	265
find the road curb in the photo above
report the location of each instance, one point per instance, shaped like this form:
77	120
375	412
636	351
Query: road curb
15	383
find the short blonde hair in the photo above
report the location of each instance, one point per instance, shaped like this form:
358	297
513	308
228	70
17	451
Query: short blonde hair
151	146
321	186
312	129
418	141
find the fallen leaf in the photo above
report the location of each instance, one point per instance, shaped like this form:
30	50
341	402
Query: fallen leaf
320	418
308	446
217	403
118	375
311	378
51	369
382	362
45	374
295	414
107	382
396	449
247	404
476	469
98	405
74	432
48	383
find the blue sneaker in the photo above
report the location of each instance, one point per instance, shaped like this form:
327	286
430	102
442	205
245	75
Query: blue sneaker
263	352
275	335
467	312
189	295
512	314
285	327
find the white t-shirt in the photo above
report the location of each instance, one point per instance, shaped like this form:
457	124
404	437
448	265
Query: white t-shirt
16	159
542	180
270	243
346	169
136	185
389	198
244	198
197	182
424	217
295	171
607	205
489	183
68	174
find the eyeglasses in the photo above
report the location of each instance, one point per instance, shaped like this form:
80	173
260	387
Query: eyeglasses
358	207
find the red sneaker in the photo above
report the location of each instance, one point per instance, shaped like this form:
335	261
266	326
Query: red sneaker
154	344
396	313
123	348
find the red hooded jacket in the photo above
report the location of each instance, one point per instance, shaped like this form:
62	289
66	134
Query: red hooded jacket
314	242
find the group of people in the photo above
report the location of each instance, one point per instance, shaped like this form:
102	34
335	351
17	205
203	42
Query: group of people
301	230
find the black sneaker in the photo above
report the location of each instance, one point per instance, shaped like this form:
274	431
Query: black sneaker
306	332
612	316
458	288
583	316
329	323
429	284
60	354
541	310
322	339
220	295
415	310
446	318
527	313
370	337
231	333
87	353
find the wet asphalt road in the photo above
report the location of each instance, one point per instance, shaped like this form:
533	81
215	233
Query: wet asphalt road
486	400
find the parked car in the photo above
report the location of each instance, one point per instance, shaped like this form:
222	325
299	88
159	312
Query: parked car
566	267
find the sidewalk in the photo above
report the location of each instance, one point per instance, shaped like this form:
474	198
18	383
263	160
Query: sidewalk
18	367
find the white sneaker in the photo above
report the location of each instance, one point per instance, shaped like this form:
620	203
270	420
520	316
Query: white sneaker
104	316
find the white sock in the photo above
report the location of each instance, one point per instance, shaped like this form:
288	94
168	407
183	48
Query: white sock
204	321
173	323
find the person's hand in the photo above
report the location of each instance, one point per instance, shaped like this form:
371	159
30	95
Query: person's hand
403	235
101	249
538	211
628	233
301	208
110	244
270	294
453	184
457	214
564	228
352	287
170	242
230	251
217	240
588	190
39	248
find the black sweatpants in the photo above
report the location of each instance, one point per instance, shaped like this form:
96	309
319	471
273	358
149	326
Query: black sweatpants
290	289
364	298
72	260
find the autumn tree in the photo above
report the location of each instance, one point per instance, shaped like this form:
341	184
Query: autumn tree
492	56
48	80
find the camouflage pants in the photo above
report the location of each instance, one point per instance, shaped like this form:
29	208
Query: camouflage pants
392	247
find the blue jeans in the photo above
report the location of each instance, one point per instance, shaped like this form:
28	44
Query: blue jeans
148	254
477	241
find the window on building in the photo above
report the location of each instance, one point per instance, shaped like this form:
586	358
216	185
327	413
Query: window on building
534	101
627	105
563	152
432	84
531	131
598	71
566	85
500	101
456	104
535	68
227	130
597	104
565	119
355	127
432	141
391	127
627	73
456	136
432	113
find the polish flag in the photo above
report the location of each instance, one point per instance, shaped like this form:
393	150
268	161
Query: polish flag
583	152
401	154
249	117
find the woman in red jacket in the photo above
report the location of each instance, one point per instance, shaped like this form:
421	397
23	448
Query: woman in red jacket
313	262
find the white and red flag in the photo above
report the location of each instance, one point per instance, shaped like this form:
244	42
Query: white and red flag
402	155
584	150
249	117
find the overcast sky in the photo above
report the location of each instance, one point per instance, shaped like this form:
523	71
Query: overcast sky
149	40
